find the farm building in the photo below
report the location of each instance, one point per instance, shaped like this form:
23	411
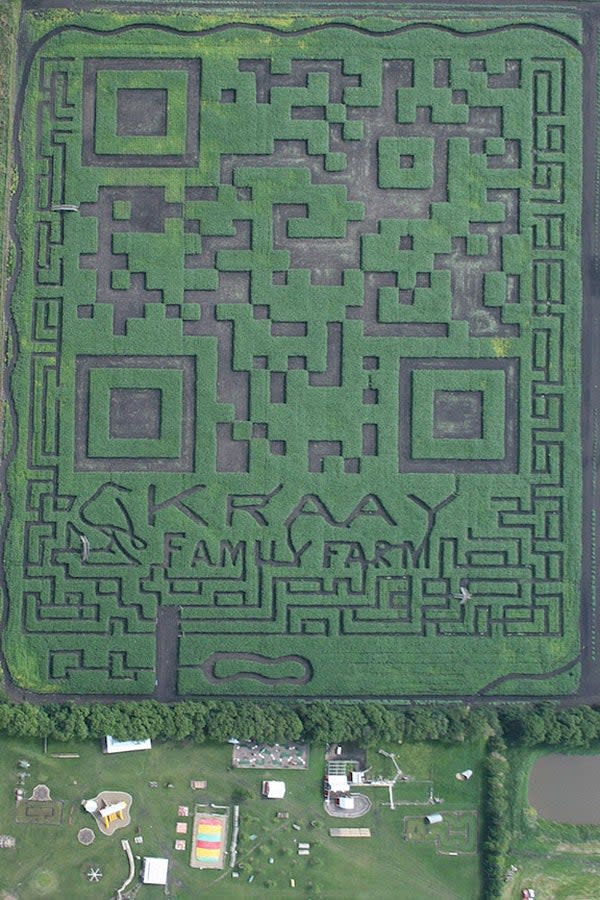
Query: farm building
357	777
274	790
337	784
110	745
154	870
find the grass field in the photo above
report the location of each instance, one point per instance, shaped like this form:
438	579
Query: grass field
559	861
50	862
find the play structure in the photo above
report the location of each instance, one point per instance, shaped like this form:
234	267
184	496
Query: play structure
209	841
110	810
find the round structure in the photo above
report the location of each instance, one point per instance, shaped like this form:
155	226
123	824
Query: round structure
361	804
41	792
90	806
86	836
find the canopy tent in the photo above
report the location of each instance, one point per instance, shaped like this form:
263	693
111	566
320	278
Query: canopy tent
155	870
274	790
113	746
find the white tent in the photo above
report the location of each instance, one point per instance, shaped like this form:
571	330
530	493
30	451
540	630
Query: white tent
274	790
434	818
154	870
112	746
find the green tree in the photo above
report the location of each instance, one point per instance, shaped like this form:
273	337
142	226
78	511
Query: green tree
68	721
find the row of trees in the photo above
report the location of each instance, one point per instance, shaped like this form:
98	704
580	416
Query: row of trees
211	720
320	720
532	725
496	819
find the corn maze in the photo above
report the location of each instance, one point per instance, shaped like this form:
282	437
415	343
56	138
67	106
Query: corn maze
294	385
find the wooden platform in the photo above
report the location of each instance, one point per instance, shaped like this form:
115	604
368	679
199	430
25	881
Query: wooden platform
350	832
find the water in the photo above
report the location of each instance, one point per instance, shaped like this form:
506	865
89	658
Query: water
566	788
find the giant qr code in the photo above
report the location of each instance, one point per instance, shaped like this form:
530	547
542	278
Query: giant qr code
298	324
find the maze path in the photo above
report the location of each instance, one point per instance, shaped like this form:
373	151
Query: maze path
302	364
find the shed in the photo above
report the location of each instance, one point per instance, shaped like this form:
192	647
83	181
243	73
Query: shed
274	790
110	745
346	802
155	870
434	818
464	776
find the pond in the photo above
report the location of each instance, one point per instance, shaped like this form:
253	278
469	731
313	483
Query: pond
566	788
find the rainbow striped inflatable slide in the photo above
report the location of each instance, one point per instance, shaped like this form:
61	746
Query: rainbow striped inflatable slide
208	845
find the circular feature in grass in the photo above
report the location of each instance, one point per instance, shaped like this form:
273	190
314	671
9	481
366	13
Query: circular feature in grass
44	883
86	836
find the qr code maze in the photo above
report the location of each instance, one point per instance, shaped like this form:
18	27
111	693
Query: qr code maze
300	363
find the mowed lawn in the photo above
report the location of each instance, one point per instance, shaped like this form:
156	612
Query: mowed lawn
49	861
559	861
564	877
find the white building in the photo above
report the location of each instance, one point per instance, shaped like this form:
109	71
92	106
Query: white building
338	784
110	745
274	790
155	870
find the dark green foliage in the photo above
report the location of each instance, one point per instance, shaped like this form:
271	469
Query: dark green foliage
24	720
68	722
496	828
547	724
322	720
241	793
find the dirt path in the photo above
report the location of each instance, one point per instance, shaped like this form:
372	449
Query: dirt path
167	643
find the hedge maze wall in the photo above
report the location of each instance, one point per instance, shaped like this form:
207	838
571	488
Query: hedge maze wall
296	393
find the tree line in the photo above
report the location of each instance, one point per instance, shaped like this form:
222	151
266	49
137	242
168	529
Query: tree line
364	722
496	832
214	720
